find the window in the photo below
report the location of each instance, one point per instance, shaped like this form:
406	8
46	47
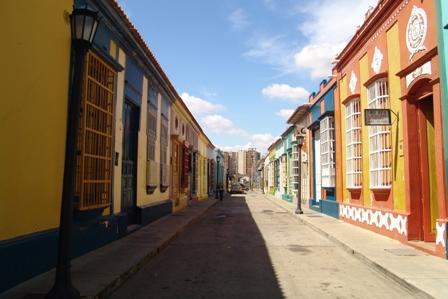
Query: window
327	145
164	180
151	123
380	149
284	173
353	144
295	168
277	174
94	161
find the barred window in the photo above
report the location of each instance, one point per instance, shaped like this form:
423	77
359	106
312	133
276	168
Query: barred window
353	144
277	174
93	181
151	124
164	142
284	172
380	149
294	175
327	152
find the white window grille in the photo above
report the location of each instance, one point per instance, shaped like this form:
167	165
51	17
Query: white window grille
353	144
295	169
327	144
164	174
380	143
284	172
151	128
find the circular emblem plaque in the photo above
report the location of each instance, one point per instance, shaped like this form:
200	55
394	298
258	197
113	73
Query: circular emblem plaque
416	31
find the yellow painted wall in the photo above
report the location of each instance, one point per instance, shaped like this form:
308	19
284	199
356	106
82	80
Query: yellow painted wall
343	95
363	77
34	82
119	132
184	118
142	197
398	184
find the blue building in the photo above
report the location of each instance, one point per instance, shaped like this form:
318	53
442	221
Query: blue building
322	150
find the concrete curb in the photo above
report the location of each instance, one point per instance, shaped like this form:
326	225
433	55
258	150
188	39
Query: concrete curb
116	283
359	255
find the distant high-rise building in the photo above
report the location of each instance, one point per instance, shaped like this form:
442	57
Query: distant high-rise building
247	160
231	162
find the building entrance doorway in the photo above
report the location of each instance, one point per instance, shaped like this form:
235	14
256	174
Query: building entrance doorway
317	166
427	158
129	165
176	162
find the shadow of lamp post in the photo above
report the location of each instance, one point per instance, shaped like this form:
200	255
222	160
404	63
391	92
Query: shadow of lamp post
300	139
84	23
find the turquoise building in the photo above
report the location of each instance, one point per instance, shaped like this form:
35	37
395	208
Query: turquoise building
443	54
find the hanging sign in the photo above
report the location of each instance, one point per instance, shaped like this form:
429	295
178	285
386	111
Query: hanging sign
377	117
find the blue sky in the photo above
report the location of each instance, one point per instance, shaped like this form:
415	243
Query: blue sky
243	66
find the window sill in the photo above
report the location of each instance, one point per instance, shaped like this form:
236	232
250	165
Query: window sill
150	189
163	188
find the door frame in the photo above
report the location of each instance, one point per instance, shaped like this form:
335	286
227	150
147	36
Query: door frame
132	214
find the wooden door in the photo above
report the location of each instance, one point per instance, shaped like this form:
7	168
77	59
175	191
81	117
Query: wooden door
129	164
427	159
176	154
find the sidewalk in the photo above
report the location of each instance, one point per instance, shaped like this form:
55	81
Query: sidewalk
98	273
423	274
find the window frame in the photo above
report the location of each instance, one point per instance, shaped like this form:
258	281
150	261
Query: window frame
353	144
380	138
327	152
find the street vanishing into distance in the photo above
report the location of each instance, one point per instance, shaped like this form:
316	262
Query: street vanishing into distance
248	247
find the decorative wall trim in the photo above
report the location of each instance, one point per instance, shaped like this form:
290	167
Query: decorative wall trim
441	233
382	220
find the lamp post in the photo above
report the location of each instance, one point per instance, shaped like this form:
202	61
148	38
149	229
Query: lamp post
300	138
217	176
84	23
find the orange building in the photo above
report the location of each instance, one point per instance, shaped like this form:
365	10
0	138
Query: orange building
391	182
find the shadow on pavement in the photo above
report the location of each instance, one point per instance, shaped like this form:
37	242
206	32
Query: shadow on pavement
223	255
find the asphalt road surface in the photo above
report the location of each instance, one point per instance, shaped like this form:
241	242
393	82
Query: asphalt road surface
248	247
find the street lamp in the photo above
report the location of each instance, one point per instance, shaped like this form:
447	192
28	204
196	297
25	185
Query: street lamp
217	175
300	138
84	23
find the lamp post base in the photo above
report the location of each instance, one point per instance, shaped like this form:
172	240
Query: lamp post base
63	291
299	211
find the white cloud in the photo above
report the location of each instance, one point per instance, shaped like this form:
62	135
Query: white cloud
276	51
328	25
286	92
238	19
262	141
199	106
317	58
221	125
285	113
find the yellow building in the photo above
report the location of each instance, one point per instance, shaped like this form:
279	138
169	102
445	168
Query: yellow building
202	167
33	117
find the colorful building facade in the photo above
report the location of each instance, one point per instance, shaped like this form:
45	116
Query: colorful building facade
136	138
391	182
442	26
322	150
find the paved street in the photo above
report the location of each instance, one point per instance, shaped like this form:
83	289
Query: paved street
248	247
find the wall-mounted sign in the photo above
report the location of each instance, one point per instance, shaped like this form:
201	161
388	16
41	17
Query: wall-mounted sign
377	117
